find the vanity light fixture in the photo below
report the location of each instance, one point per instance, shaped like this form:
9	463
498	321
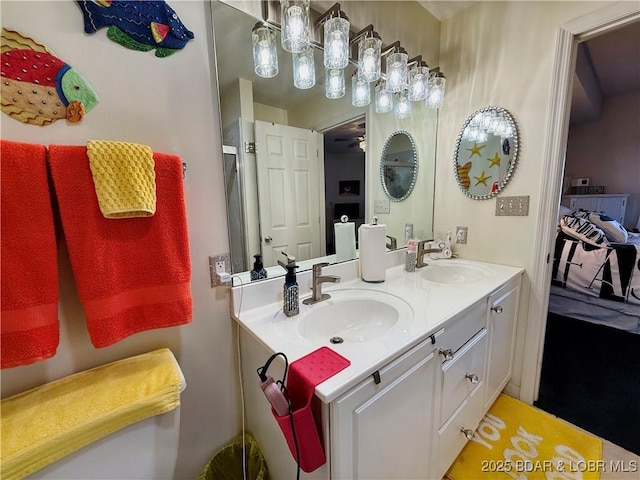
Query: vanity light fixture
304	69
360	92
411	80
265	54
435	96
336	38
384	98
402	108
294	25
418	78
334	86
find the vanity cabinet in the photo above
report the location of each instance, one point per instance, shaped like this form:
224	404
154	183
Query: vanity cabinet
411	418
380	428
502	312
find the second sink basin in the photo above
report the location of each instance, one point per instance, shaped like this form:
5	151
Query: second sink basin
349	316
454	272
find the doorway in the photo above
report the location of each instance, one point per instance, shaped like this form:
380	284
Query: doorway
344	174
584	363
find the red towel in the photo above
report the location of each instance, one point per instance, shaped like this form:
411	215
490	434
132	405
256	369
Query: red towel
29	270
132	274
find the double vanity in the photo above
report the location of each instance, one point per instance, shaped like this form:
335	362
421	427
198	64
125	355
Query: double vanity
429	352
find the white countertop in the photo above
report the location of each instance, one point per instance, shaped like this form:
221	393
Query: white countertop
257	305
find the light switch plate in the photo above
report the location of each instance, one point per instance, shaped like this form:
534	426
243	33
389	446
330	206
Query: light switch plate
381	206
512	206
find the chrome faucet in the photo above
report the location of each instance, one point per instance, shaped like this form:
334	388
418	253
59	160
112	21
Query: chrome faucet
422	251
393	243
316	284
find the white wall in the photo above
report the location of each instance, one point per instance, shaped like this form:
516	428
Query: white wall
502	54
608	151
169	104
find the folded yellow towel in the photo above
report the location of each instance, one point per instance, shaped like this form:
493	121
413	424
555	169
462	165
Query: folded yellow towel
44	424
124	178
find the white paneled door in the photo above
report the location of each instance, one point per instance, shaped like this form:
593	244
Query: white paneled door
288	191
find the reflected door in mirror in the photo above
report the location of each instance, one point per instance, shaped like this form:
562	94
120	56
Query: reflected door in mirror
288	191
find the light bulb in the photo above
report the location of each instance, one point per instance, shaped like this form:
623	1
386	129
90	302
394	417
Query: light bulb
402	107
295	25
435	97
418	82
369	59
360	93
396	71
334	83
336	43
265	54
304	70
384	99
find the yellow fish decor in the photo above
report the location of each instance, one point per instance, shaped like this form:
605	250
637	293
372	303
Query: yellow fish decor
38	88
463	173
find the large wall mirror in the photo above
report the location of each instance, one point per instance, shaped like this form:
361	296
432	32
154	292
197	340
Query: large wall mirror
399	166
486	152
345	141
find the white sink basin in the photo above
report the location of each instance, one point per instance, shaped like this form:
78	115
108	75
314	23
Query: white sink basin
454	273
349	316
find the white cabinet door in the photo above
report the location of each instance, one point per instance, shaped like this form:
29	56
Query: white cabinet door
501	324
385	430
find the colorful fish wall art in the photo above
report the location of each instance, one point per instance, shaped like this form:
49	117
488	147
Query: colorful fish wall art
37	87
138	25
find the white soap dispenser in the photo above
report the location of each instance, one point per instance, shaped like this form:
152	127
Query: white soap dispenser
372	245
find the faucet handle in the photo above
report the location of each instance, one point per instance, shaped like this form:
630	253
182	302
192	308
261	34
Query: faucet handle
321	265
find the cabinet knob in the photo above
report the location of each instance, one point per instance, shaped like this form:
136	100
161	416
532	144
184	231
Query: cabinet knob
473	378
497	309
447	354
467	433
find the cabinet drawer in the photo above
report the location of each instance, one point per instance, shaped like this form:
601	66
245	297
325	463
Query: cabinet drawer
458	331
451	437
462	374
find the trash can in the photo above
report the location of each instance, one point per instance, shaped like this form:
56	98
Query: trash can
227	463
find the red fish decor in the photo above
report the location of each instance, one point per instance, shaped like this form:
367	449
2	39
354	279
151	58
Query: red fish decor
37	87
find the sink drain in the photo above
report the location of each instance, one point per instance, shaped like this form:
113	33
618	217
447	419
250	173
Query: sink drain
336	340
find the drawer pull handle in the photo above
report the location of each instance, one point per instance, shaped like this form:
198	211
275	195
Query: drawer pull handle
447	354
467	433
497	309
473	378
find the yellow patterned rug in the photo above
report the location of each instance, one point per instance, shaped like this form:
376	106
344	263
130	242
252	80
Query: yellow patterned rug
518	441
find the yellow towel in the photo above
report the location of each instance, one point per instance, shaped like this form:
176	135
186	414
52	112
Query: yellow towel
124	178
44	424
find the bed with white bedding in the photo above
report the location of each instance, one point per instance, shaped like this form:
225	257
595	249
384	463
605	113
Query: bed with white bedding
596	276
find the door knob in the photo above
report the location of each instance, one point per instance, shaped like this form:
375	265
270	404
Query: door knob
497	309
268	239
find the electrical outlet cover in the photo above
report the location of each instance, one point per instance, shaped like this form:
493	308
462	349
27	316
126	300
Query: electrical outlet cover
381	206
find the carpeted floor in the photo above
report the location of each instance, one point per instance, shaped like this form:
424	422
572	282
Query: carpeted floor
591	378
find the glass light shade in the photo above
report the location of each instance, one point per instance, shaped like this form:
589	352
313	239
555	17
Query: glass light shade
435	97
265	53
304	69
369	59
360	92
334	86
384	99
402	108
295	25
336	43
418	82
397	71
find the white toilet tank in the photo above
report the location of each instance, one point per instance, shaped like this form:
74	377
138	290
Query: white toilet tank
147	449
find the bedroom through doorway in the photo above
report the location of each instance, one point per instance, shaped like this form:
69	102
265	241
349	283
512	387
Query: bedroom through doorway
589	373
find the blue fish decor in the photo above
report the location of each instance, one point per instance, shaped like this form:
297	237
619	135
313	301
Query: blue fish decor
138	25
